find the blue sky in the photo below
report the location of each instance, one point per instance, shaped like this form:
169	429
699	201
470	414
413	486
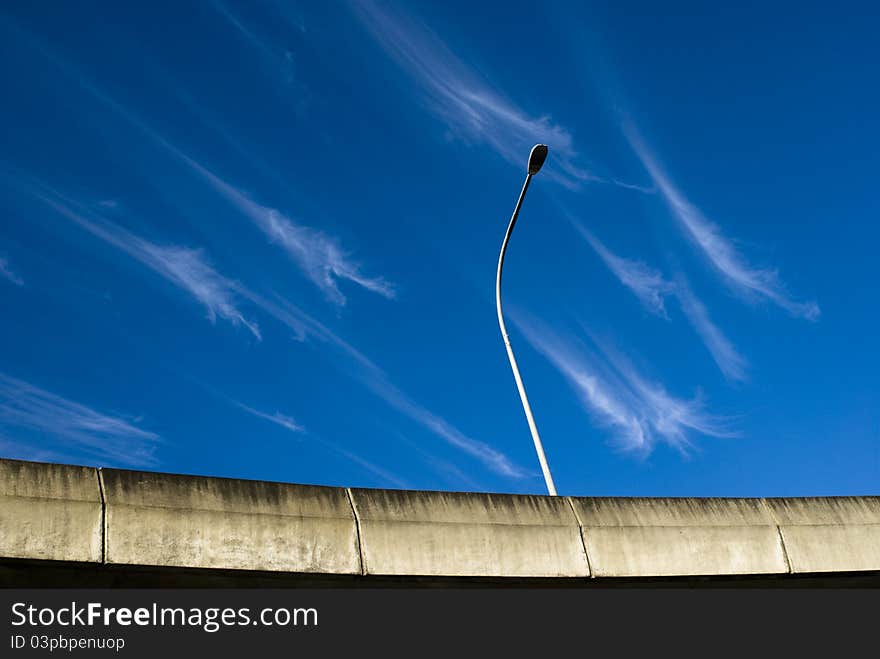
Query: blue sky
259	240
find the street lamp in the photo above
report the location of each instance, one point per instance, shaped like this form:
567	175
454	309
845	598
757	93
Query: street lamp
536	159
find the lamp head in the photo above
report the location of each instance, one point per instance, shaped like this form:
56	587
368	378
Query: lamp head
537	158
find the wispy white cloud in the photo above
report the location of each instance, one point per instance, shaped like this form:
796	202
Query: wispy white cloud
187	268
713	244
646	283
731	363
472	110
638	412
289	424
15	449
69	426
652	289
364	370
279	419
396	398
381	472
319	256
279	57
671	418
190	270
368	373
248	34
8	273
305	327
452	473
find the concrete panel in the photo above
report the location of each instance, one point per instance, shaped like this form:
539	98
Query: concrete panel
190	521
830	534
679	537
458	534
49	511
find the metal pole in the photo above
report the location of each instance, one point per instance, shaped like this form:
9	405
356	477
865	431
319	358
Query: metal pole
539	448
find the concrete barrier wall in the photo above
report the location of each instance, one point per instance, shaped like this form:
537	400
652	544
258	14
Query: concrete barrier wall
189	521
830	534
457	534
80	514
628	537
49	511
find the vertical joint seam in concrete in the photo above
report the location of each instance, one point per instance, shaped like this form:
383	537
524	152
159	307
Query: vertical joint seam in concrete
581	536
779	533
784	549
357	526
100	474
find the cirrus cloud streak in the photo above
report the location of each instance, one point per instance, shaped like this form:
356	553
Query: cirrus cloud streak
62	426
638	412
719	250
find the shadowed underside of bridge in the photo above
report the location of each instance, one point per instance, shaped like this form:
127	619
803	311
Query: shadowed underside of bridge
63	525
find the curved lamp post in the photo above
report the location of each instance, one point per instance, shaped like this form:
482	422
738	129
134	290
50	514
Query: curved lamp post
536	159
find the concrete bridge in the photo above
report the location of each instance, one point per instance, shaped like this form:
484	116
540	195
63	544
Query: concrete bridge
64	525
